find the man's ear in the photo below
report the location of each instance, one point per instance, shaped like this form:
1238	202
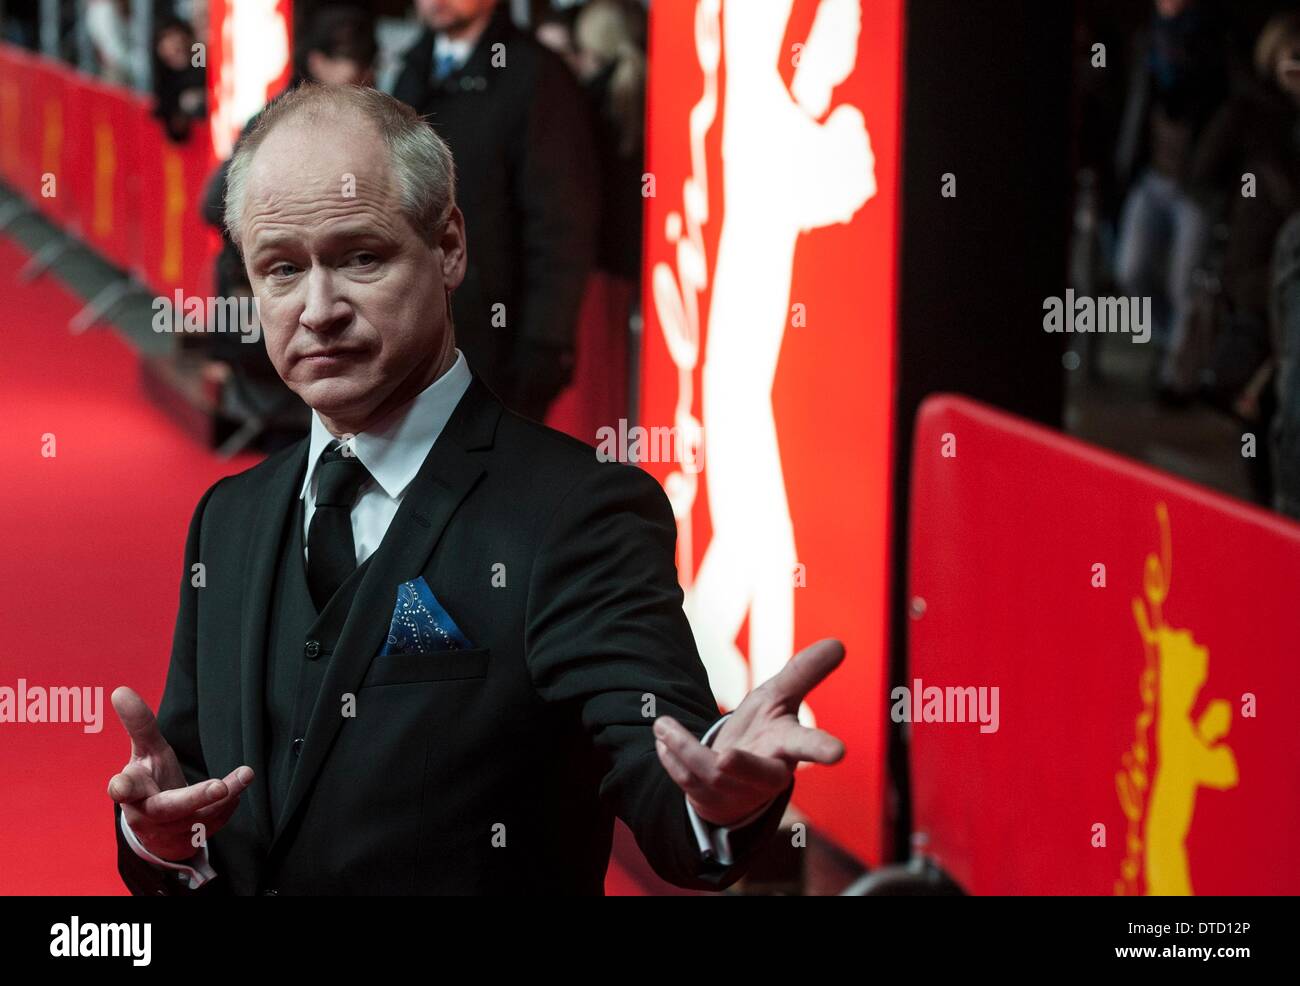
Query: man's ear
452	244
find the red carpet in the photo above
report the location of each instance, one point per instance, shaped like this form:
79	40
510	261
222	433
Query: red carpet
92	542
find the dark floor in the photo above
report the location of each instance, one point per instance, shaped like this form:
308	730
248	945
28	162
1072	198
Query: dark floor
1117	410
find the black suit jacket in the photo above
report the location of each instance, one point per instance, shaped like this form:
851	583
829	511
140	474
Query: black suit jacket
537	736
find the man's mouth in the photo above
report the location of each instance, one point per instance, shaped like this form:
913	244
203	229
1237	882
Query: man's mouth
326	358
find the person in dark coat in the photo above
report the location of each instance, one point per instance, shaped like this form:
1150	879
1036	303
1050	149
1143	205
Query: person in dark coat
1247	169
1285	324
519	126
610	41
547	704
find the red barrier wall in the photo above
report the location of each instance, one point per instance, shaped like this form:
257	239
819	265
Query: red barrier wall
92	158
1146	737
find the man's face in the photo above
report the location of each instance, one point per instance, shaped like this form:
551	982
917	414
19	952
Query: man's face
173	50
351	300
1288	69
452	15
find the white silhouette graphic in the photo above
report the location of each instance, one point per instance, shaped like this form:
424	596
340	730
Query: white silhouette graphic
254	54
783	173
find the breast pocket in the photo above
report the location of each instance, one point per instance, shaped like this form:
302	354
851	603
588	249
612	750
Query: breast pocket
406	669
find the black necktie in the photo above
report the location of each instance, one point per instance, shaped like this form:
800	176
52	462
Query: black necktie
331	552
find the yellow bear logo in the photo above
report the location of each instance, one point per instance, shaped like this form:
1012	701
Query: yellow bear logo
1187	755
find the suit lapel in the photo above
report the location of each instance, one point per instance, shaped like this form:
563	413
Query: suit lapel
450	471
276	509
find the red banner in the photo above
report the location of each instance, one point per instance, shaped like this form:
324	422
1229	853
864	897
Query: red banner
46	94
1140	633
18	125
176	245
772	204
109	129
78	155
94	160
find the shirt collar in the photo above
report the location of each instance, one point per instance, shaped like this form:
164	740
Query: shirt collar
394	452
459	50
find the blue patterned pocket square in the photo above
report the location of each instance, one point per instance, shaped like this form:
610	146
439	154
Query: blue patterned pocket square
420	625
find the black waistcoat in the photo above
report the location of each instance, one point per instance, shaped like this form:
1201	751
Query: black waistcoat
300	644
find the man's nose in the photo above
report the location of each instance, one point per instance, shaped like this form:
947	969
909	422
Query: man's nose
324	309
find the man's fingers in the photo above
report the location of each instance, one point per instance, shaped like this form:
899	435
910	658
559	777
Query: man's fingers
134	783
158	835
711	774
182	802
678	771
758	772
138	721
214	818
796	742
694	755
237	782
806	670
718	796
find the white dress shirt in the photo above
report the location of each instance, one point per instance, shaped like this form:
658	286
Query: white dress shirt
393	455
456	53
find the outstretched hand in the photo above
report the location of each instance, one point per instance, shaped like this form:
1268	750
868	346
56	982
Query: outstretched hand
753	756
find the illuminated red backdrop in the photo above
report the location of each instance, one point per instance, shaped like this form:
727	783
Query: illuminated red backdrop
250	49
769	326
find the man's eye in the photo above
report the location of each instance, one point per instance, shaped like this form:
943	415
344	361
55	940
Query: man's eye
282	270
363	259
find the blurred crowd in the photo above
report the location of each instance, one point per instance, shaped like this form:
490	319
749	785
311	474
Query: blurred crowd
1199	210
135	45
1188	182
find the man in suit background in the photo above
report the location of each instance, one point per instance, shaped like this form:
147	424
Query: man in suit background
518	124
434	647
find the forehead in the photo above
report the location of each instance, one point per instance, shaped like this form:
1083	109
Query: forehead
339	162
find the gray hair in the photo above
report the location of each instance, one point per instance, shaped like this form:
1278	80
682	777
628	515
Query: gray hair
421	161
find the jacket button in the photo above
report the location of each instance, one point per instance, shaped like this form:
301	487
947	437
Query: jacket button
297	746
270	892
312	650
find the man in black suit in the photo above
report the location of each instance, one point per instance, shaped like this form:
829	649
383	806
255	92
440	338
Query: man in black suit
518	124
434	647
